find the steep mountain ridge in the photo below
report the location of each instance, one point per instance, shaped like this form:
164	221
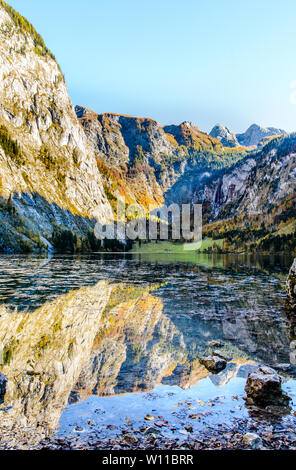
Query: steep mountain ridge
223	134
61	170
254	134
49	173
142	160
254	201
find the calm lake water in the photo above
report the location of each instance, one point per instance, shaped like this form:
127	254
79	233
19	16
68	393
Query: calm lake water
103	344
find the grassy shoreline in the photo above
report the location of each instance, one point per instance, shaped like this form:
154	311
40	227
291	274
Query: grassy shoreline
170	247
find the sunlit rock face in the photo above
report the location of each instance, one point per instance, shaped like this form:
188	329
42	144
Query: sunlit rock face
223	134
56	172
141	160
116	137
44	352
127	149
254	134
53	176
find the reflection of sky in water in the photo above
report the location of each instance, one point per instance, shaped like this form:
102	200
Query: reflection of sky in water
215	405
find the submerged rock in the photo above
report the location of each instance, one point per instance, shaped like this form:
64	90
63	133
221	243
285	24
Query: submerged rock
252	440
284	367
263	388
130	438
221	355
3	382
215	343
213	363
152	430
278	411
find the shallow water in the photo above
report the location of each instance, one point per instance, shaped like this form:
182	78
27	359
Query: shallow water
99	342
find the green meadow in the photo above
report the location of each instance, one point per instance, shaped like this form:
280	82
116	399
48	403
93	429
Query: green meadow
170	247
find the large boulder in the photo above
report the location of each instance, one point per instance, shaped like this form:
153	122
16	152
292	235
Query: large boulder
3	382
264	389
291	288
213	363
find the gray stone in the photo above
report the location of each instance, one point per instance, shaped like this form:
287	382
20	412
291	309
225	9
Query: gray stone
152	430
263	388
213	363
221	355
130	438
40	116
252	440
283	367
278	410
91	423
215	343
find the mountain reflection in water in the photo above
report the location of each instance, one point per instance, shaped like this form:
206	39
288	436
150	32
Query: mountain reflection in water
106	325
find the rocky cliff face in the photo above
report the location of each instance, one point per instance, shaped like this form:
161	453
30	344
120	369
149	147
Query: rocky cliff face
224	135
49	172
254	134
142	160
62	170
255	183
128	152
256	195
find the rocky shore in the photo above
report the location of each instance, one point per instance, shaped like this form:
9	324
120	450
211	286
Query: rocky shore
270	425
265	427
245	434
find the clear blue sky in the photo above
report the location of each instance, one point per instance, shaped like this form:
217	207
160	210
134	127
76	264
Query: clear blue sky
228	61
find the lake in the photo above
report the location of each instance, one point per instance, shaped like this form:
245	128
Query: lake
104	345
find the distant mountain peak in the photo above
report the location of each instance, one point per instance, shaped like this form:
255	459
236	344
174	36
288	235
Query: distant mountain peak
223	134
188	124
255	133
